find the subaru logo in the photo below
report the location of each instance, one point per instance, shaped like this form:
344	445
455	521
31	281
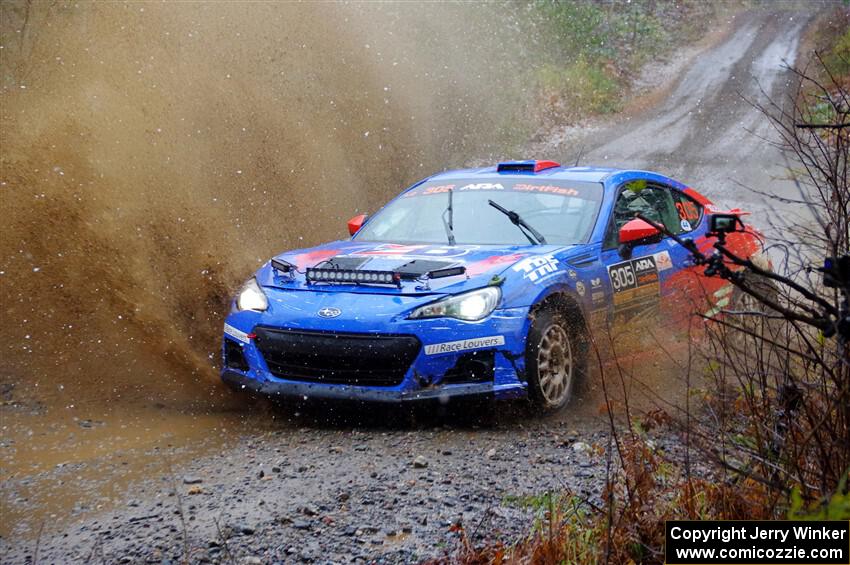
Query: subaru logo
329	312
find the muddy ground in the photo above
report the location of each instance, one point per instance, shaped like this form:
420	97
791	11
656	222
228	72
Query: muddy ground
155	479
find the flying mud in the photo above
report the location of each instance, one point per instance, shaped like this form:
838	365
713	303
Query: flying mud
153	155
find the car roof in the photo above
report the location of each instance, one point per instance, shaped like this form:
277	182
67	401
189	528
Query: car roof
586	174
610	176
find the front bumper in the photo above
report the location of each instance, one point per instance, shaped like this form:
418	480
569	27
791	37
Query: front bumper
309	391
436	371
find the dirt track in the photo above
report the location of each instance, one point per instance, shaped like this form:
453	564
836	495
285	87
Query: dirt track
706	132
297	489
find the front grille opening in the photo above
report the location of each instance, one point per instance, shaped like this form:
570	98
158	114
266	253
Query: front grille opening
473	367
337	358
234	358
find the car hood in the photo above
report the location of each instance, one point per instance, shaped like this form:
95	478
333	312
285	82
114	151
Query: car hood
482	263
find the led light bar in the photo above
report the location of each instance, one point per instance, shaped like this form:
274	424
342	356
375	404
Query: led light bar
351	276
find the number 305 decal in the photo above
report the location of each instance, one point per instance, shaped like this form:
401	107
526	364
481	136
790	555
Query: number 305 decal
633	274
635	283
622	276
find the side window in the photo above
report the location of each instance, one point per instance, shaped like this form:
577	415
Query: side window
690	212
654	202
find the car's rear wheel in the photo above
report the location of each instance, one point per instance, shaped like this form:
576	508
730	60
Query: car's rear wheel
554	359
750	313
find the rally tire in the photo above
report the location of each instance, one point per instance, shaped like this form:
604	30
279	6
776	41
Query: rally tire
754	317
762	285
554	359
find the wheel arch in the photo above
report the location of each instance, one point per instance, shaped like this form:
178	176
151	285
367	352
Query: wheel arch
565	301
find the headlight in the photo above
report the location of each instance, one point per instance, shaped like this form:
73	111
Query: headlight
252	297
470	306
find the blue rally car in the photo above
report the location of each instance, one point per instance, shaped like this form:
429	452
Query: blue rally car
478	281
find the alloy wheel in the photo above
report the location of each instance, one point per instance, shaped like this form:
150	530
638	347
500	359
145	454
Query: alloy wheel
555	364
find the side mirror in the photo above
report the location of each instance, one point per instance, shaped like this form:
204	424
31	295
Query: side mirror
355	223
636	232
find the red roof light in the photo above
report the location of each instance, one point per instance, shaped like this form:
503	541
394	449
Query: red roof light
543	165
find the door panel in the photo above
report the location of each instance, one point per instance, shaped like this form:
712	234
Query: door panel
640	284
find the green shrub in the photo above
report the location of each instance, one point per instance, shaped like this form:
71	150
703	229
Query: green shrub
838	59
582	87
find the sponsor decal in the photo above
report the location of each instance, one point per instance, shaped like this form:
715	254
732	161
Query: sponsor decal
419	191
464	345
304	260
572	274
328	312
438	189
498	186
391	249
483	186
686	225
238	334
597	297
645	270
546	188
596	283
635	282
663	261
537	268
580	289
485	265
412	251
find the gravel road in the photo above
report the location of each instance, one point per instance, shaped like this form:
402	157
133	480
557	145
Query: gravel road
388	490
706	132
338	495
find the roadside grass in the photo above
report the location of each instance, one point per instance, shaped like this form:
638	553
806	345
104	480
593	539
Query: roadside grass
838	58
830	36
582	87
831	43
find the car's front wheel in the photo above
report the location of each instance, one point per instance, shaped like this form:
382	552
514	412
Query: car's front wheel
553	359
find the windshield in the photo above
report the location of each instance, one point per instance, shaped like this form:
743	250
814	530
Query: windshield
564	212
